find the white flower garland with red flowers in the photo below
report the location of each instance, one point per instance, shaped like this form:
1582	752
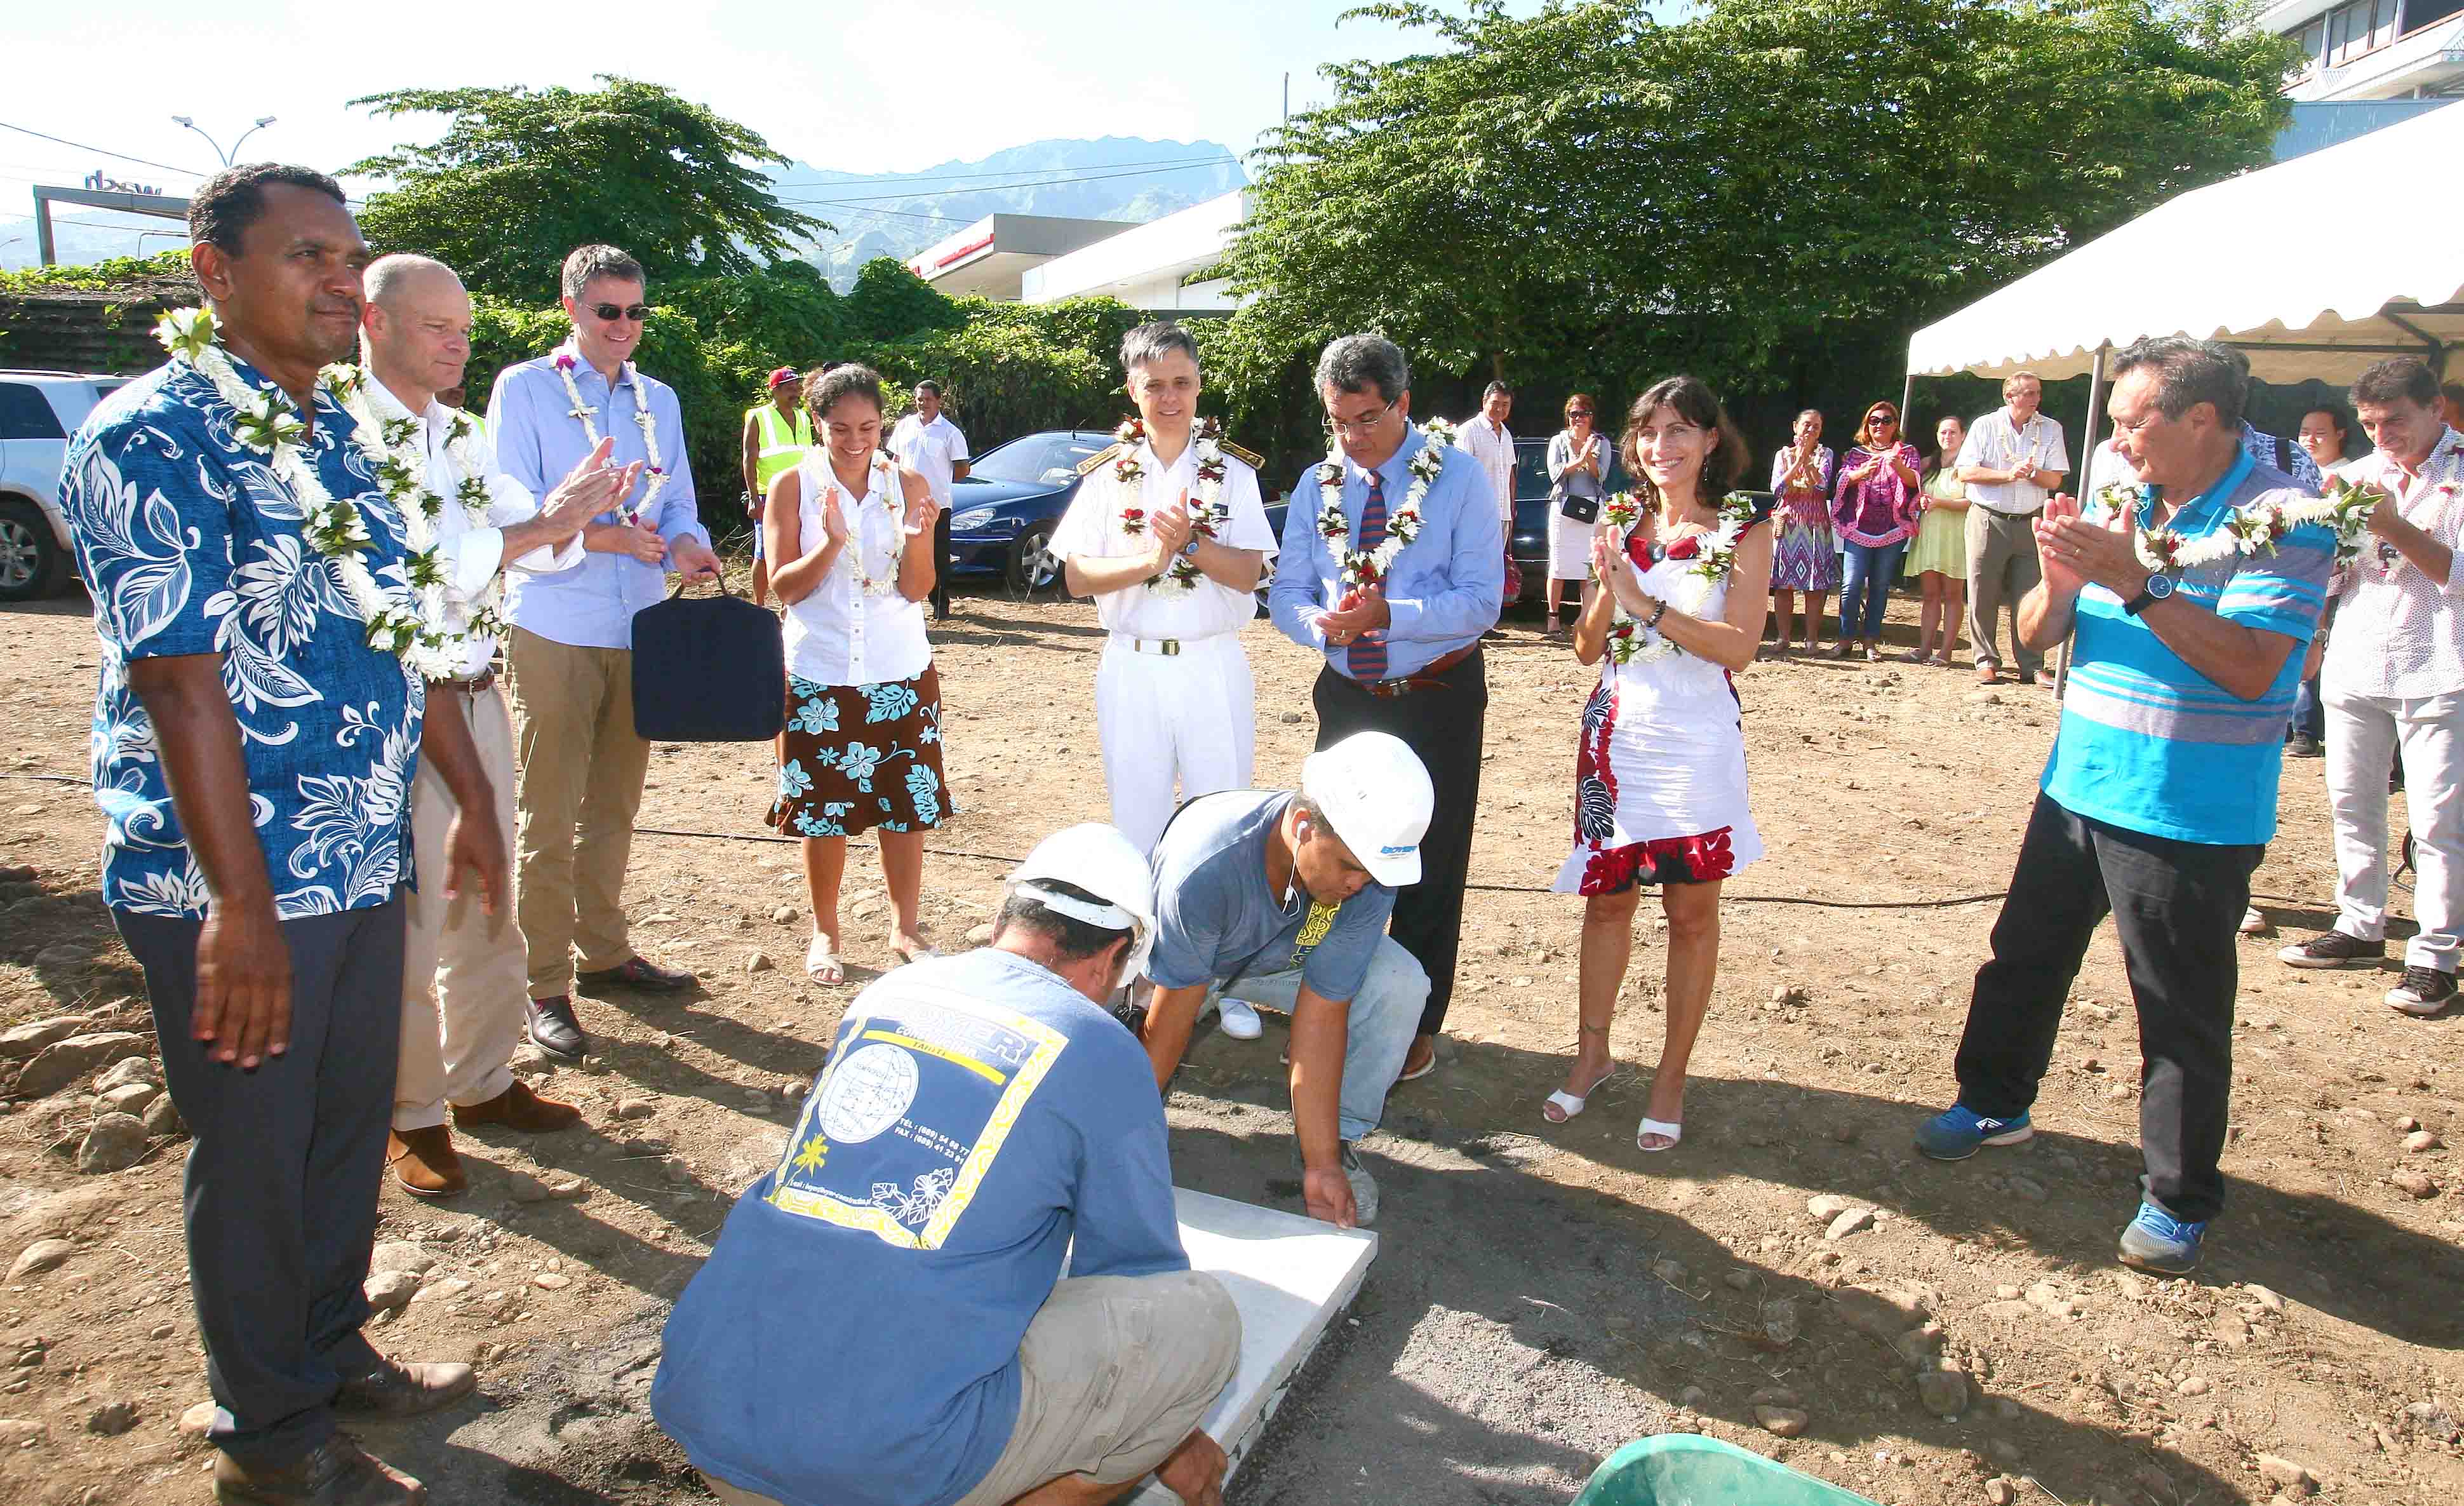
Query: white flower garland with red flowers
1363	568
407	623
1207	511
631	512
1631	641
2345	512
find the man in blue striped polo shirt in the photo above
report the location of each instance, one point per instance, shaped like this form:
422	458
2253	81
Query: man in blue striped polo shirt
2159	798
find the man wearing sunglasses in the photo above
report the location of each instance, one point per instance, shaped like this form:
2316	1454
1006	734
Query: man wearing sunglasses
570	650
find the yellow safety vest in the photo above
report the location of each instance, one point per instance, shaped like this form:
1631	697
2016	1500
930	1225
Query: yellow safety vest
783	444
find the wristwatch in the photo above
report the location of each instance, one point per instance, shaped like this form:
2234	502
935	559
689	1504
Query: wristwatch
2157	589
1189	550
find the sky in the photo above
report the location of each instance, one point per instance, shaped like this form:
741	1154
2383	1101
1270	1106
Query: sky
917	85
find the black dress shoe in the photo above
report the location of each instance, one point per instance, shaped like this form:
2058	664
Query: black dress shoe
390	1388
555	1030
634	972
335	1472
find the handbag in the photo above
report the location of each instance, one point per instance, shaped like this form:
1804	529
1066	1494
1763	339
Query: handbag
708	670
1580	509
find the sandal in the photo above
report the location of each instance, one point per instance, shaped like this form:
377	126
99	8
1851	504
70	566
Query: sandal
821	963
1671	1133
913	954
1562	1105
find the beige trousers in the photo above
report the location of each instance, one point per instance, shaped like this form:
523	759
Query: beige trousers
1113	1373
2001	568
464	971
581	787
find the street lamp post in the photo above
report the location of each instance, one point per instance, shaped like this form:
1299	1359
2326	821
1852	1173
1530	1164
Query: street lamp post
262	122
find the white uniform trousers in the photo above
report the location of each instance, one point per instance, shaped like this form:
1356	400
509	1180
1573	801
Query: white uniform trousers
2363	733
1188	718
464	973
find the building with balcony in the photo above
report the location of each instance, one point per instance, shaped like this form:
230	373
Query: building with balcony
2373	49
1151	268
989	259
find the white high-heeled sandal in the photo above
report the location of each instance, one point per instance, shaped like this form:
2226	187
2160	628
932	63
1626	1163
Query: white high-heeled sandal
1672	1132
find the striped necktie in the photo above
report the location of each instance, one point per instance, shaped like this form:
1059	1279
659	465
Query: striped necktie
1368	660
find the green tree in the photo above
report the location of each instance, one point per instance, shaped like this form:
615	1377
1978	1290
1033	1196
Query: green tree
520	177
890	301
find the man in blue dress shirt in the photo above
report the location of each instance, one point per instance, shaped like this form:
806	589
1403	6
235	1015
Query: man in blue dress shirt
1403	650
571	648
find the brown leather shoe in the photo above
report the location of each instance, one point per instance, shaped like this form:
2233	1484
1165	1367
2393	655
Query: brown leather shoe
423	1161
519	1108
633	972
393	1389
335	1472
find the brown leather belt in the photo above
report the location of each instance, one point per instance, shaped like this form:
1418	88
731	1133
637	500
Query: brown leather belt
476	684
1426	680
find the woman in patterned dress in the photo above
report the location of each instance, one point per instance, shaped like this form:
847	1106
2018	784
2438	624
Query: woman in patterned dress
1659	776
1804	558
850	535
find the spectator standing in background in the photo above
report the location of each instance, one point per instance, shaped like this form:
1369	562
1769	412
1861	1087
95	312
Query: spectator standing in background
927	443
2012	460
1578	472
1806	557
1879	499
1488	441
2450	398
1938	558
777	434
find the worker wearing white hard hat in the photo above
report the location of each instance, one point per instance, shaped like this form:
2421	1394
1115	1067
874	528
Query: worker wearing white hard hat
1280	898
983	1119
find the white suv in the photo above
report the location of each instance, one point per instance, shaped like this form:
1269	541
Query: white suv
38	411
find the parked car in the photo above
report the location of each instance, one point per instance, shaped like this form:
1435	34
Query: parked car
38	411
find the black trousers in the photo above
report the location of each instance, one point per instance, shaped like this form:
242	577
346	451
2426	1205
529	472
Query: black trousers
941	564
282	1178
2177	906
1442	723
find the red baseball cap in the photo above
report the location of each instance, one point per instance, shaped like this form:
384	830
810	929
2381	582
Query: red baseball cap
782	377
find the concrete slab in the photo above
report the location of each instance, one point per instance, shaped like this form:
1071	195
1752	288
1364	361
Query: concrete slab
1290	1277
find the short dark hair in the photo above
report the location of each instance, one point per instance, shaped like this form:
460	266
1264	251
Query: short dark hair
1357	363
2405	378
826	386
231	200
586	264
928	384
2190	372
2336	415
1698	404
1152	342
1495	390
1075	940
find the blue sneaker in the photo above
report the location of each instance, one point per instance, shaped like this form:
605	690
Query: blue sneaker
1956	1131
2158	1241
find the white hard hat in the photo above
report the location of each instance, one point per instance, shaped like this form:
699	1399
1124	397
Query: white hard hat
1377	794
1099	860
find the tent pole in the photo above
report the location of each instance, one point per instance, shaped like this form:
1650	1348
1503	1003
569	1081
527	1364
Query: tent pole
2087	459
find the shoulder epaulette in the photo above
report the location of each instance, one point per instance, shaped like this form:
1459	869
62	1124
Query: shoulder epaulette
1099	457
1249	457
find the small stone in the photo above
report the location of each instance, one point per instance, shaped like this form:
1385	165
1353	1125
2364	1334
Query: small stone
114	1143
759	962
1669	1271
68	1060
757	1100
1785	1421
2194	1385
1942	1392
112	1419
635	1108
550	1282
388	1290
2230	1331
131	1098
2293	1479
1849	1223
2129	1286
793	1089
19	1042
161	1331
442	1291
546	1189
2267	1297
1827	1207
2422	1140
43	1254
2414	1183
1738	1280
1844	1133
783	914
162	1118
198	1420
401	1254
979	935
2005	1294
16	1432
1692	1397
1780	1323
127	1071
2405	1124
2000	1492
2027	1188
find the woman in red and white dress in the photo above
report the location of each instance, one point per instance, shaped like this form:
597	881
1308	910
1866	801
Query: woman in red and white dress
1660	776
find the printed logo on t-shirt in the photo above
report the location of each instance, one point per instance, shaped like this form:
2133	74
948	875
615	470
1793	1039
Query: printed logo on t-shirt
913	1112
1313	930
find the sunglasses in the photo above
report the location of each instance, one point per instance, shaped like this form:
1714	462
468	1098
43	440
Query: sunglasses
1578	413
612	312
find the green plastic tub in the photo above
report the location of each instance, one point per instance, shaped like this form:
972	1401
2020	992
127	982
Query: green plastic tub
1686	1469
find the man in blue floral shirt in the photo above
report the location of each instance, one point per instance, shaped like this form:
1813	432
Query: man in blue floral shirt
253	749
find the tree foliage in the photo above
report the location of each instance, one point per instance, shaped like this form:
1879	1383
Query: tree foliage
520	177
1585	196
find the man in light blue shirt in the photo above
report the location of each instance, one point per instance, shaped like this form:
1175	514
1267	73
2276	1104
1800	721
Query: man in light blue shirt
1396	598
571	648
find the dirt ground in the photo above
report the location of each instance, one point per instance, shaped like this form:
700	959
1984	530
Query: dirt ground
1543	1295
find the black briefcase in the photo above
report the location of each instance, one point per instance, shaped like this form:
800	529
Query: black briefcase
708	670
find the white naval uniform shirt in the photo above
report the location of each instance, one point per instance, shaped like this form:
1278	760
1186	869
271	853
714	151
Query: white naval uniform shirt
1093	528
472	555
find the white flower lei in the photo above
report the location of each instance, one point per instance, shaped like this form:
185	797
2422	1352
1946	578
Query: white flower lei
406	623
1632	641
397	452
1363	568
2345	512
882	479
631	512
1207	512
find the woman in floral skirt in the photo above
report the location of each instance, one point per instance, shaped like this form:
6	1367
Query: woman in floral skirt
849	534
1659	776
1804	558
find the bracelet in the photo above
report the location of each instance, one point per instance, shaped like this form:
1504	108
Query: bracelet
1661	612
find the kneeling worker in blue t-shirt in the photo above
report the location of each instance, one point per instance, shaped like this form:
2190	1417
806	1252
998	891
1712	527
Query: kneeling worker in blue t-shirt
1282	900
883	1322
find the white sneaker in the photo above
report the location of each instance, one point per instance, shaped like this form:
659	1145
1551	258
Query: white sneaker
1239	1020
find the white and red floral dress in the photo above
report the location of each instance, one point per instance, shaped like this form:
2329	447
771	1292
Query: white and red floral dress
1659	776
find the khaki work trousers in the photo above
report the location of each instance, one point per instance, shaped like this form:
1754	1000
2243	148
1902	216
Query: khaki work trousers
583	766
464	971
2001	568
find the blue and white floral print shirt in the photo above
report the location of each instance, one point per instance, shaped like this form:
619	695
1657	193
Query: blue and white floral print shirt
190	545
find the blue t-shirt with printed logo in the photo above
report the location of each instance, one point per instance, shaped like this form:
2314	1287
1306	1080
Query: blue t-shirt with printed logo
2150	745
853	1339
1216	920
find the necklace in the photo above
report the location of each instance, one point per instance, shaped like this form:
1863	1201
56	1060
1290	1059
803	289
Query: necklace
2345	512
1363	568
1206	512
397	452
880	480
631	512
1632	641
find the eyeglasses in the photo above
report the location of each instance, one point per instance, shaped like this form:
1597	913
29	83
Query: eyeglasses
1358	426
612	312
1881	418
1578	413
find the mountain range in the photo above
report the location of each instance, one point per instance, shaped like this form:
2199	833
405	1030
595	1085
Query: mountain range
883	214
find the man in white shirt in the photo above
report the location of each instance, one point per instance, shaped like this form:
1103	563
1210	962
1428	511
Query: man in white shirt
1488	440
927	443
2393	679
464	973
2013	460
